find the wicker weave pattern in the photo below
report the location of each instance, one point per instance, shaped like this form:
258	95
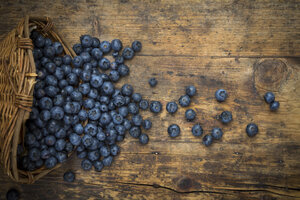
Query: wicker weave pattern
17	79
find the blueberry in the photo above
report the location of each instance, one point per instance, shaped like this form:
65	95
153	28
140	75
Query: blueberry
144	138
76	95
39	93
105	119
133	108
57	113
87	66
197	130
114	66
50	162
115	54
51	91
114	150
86	75
60	144
207	140
86	57
59	74
58	100
251	129
87	140
119	60
48	42
58	48
69	147
123	111
103	107
82	115
34	154
45	103
119	100
97	54
82	154
61	156
39	41
68	89
95	42
190	115
104	151
75	139
216	133
105	46
37	54
123	70
117	92
12	194
90	129
34	113
184	100
120	138
137	120
221	95
96	81
50	66
116	45
67	69
155	106
100	136
39	163
127	53
86	41
86	165
77	61
114	75
72	79
136	46
42	73
49	52
98	165
135	131
269	97
94	64
57	61
190	90
127	100
45	154
61	134
152	82
226	117
136	97
127	124
172	107
39	85
143	104
274	105
147	124
107	161
93	155
77	71
174	130
88	49
104	76
78	128
120	129
52	151
93	94
69	176
89	103
107	88
67	59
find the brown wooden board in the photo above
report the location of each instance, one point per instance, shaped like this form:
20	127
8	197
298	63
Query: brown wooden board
244	47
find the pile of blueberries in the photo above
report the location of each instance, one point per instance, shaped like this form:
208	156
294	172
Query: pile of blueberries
190	115
76	104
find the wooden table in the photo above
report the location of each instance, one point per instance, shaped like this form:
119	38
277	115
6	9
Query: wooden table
247	48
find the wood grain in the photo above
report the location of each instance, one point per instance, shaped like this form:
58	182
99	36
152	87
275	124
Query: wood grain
244	47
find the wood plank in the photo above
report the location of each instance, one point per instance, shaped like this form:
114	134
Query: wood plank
195	28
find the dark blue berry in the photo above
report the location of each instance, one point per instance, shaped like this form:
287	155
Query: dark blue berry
45	154
274	105
75	139
59	73
174	130
114	150
190	90
190	115
93	93
143	104
147	124
12	194
45	115
58	48
123	111
136	46
57	113
89	103
49	52
97	54
86	165
39	41
120	129
69	147
86	41
67	69
86	75
136	97
95	42
90	129
57	61
119	60
50	140
107	161
98	165
221	95
96	81
133	108
77	61
50	162
72	79
127	90
93	155
51	91
114	75
86	57
117	119
105	46
67	59
107	88
34	154
61	134
69	176
123	70
116	45
82	115
105	119
144	138
217	133
60	144
226	117
172	107
78	128
251	129
137	120
152	82
103	107
184	100
269	97
61	156
135	131
48	42
127	53
207	140
155	106
197	130
82	154
127	124
45	103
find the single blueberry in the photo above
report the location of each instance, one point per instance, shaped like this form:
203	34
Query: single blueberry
216	133
172	107
251	129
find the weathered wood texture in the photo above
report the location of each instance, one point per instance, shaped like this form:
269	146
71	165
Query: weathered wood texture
245	47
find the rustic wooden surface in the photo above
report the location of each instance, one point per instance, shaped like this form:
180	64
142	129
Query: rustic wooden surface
245	47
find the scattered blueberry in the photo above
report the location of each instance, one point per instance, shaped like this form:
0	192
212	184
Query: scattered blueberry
152	82
172	107
251	129
173	130
197	130
217	133
207	140
69	176
221	95
274	105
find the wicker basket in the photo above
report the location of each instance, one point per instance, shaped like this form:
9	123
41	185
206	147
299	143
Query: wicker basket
17	79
